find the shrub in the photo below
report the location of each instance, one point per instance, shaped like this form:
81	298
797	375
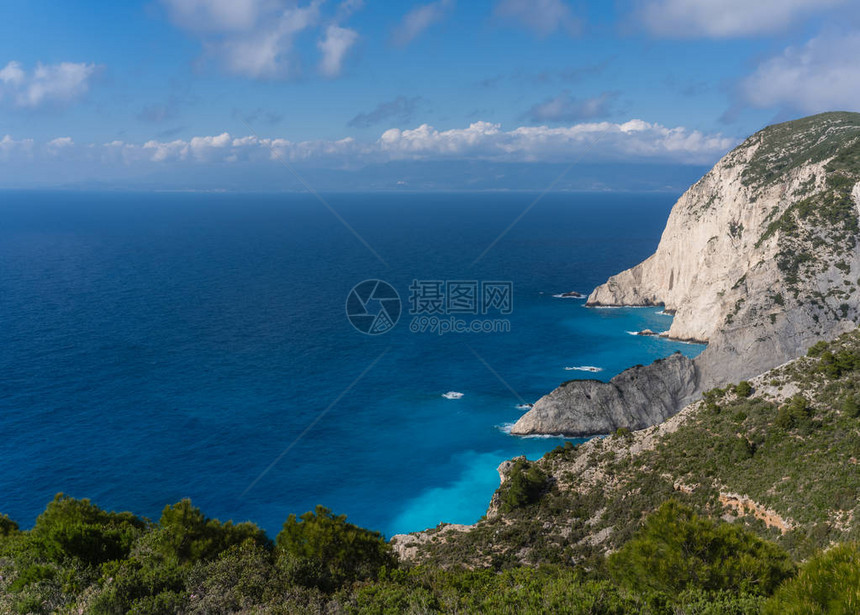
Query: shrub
77	529
677	550
743	389
524	485
835	365
140	585
622	433
851	407
796	413
242	577
710	398
561	450
7	526
827	583
816	349
741	449
339	551
185	534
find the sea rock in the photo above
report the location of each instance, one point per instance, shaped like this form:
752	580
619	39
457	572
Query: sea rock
646	332
636	398
573	295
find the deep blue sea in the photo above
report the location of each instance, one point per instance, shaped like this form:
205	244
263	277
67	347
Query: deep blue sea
161	346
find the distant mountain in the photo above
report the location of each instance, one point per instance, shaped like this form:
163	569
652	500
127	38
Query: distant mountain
401	176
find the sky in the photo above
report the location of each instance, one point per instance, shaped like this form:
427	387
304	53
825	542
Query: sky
365	94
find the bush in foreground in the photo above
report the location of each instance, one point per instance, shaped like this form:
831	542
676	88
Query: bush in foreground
677	550
829	583
323	550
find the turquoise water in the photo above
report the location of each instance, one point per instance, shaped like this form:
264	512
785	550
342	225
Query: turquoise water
161	346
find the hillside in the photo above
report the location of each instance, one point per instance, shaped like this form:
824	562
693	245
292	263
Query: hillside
744	503
779	457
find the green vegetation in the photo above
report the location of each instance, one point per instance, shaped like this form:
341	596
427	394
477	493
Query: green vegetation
780	464
677	550
795	414
743	389
330	552
828	583
525	484
623	433
679	563
784	147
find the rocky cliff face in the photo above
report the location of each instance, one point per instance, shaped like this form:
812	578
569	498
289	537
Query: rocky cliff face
760	257
636	398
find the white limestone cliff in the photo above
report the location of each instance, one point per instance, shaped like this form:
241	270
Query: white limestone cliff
756	258
760	259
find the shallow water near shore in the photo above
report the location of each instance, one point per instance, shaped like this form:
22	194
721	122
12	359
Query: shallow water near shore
161	346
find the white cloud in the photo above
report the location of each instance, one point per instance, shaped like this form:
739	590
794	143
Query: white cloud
47	84
346	8
635	139
61	147
334	48
418	20
631	141
162	151
209	148
12	74
266	51
822	75
255	38
11	148
725	18
61	142
543	17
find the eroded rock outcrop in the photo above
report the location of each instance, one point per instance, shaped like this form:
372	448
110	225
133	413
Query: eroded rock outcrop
636	398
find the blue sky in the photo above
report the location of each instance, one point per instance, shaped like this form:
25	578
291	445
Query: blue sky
187	93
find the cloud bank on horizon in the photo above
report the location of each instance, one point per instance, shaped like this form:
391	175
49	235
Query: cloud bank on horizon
634	140
345	84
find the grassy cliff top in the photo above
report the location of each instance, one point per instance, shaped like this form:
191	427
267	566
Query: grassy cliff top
786	146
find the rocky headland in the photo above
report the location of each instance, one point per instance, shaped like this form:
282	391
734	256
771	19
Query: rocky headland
634	399
777	455
759	259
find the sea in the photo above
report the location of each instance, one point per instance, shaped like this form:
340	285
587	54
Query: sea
160	346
